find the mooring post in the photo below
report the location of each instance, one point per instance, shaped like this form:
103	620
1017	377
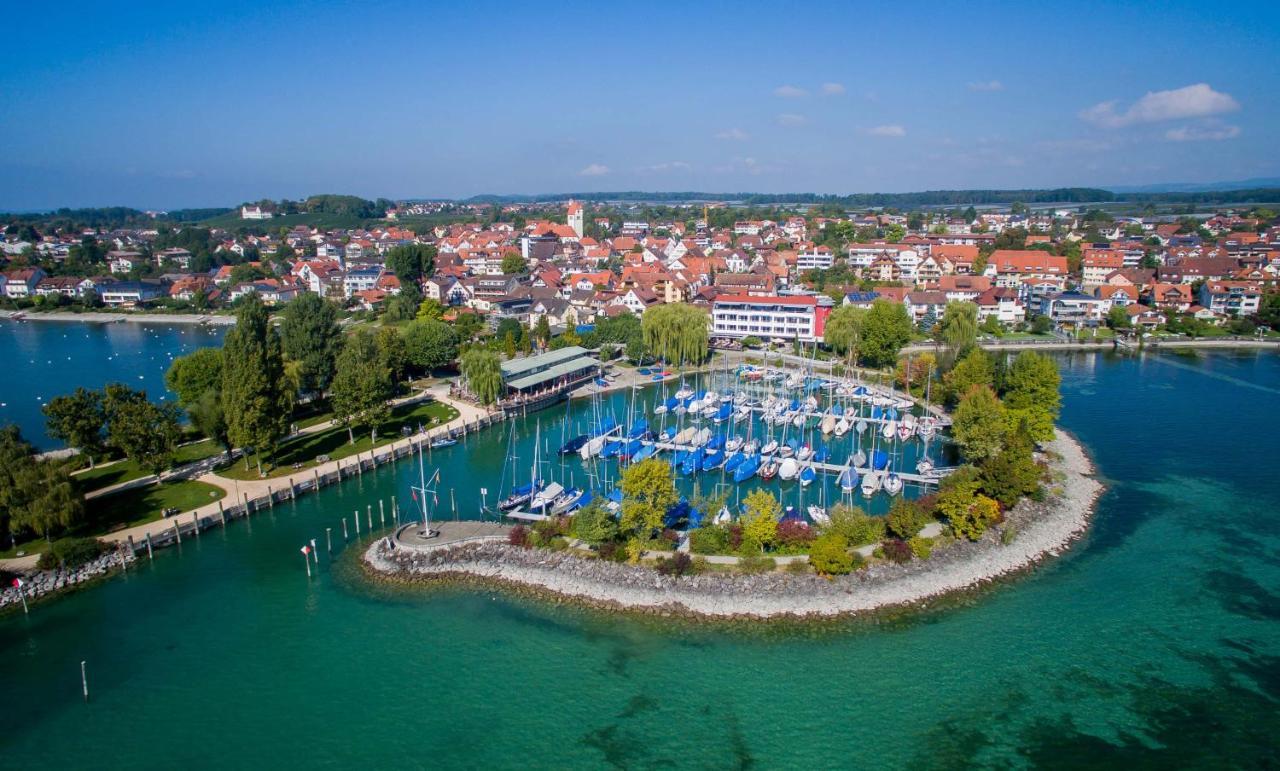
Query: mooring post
328	539
177	531
247	511
84	681
395	511
382	514
355	515
368	516
195	520
222	515
271	498
150	555
345	537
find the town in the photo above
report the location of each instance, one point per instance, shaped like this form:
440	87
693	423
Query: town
1060	270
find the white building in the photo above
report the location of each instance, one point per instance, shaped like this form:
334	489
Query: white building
769	318
254	212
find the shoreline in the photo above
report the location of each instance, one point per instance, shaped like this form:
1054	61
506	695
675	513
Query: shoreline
1042	530
97	317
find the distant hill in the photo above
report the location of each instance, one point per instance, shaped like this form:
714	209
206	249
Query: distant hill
1199	187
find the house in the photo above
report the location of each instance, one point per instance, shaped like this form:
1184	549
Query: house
745	283
1176	297
1097	264
1143	317
1003	304
1117	296
50	286
920	305
124	262
129	294
174	256
861	299
814	258
271	291
255	212
1233	298
770	318
1073	309
22	282
1010	267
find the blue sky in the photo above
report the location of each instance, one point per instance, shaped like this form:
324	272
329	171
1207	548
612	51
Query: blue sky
201	104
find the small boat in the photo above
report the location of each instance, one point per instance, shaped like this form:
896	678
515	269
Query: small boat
519	496
889	429
786	450
543	499
861	427
905	431
804	453
924	466
807	475
821	454
828	424
733	443
879	460
592	448
870	484
723	517
798	420
859	459
892	483
769	470
751	447
818	515
689	466
848	479
747	469
686	436
444	441
566	500
788	469
612	448
841	427
667	434
769	447
733	462
575	444
712	460
646	451
638	429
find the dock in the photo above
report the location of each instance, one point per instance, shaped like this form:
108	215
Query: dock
826	468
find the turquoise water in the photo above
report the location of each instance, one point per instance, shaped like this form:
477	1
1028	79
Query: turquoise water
1154	643
46	359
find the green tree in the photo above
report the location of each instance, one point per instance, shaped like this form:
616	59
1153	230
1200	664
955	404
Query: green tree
430	310
208	417
979	424
855	525
310	336
976	368
973	519
886	328
647	492
257	397
594	524
1013	472
34	496
77	419
1030	394
192	375
361	385
147	433
513	264
482	371
1118	318
412	262
393	353
959	329
542	330
430	344
906	517
760	520
829	555
677	333
843	329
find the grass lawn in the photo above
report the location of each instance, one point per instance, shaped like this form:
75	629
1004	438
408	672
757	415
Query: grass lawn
125	470
335	443
129	508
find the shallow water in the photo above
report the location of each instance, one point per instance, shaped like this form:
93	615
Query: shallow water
1154	642
44	359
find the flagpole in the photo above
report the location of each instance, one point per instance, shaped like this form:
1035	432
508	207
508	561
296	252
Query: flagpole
306	560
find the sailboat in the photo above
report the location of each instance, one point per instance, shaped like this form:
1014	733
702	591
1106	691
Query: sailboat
788	469
807	475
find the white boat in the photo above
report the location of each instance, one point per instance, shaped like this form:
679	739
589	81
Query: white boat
592	448
818	515
861	427
828	424
905	431
686	436
859	459
545	497
888	429
785	451
798	420
788	469
684	393
842	427
723	517
751	447
732	444
702	437
661	409
769	447
805	453
870	483
924	466
892	484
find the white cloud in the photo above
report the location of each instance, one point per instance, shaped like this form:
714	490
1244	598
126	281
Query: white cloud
832	89
1195	101
790	92
986	85
887	130
736	134
594	170
1202	133
667	166
791	119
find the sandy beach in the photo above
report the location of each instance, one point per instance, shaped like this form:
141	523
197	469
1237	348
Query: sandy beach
1042	530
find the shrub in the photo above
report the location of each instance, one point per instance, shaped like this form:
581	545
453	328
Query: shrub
519	536
709	540
71	553
594	524
794	533
829	555
896	550
756	564
906	518
678	564
1008	534
612	551
735	536
972	521
799	567
857	527
921	547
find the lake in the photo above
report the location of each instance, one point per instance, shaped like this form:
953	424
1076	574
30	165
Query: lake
1153	642
44	359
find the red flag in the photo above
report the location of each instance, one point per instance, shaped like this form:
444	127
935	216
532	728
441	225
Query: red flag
414	493
17	583
306	549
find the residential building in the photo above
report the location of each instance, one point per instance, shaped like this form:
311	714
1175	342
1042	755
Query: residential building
769	318
1234	298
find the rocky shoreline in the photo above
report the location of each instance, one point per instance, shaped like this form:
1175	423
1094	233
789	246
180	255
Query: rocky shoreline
1041	529
43	584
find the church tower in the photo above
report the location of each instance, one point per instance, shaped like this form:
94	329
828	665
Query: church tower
575	219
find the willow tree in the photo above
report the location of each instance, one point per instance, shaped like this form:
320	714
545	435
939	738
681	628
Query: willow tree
676	333
844	329
482	371
959	329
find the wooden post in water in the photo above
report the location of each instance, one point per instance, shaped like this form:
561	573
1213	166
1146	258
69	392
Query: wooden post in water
306	559
271	498
195	520
222	515
150	555
345	537
368	516
177	531
247	512
84	681
328	539
355	515
453	503
395	511
382	514
315	474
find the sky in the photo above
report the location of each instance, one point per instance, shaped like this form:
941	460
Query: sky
168	105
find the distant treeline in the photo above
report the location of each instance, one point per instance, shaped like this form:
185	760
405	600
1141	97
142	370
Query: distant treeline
109	217
1080	195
